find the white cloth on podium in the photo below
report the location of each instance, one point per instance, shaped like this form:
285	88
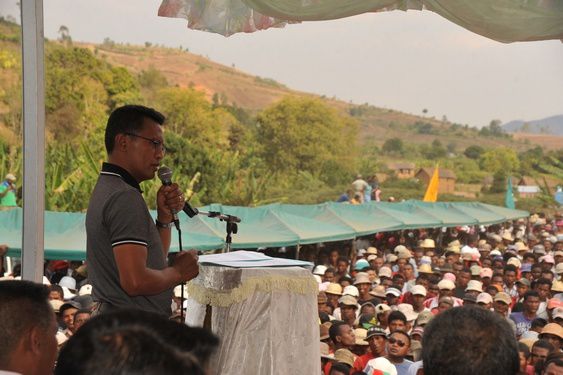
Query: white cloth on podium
265	317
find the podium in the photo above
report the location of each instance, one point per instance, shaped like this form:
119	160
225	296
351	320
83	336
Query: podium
263	309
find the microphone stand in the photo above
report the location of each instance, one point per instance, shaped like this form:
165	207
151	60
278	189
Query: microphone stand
231	226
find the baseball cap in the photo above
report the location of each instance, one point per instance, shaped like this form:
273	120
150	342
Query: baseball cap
418	290
469	298
558	313
399	248
424	317
485	298
361	264
475	270
524	281
385	272
381	308
394	291
375	331
69	305
320	270
351	290
515	262
547	259
446	284
348	300
503	297
408	311
486	272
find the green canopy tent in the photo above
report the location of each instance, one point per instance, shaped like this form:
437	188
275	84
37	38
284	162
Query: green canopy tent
273	225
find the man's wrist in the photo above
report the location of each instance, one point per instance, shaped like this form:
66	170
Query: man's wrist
164	225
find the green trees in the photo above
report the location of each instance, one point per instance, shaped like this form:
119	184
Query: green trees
393	146
498	159
302	134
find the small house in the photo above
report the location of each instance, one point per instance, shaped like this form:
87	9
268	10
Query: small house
527	187
446	177
402	170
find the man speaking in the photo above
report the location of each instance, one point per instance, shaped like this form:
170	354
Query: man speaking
126	250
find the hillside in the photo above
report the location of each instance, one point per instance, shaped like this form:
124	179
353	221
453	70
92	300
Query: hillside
254	93
228	85
550	125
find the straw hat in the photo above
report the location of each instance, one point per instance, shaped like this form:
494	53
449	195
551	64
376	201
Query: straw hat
507	236
362	278
361	334
428	244
334	288
345	356
378	291
425	268
552	329
371	251
474	285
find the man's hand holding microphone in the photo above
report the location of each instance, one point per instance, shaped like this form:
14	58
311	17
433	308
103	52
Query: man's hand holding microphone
170	200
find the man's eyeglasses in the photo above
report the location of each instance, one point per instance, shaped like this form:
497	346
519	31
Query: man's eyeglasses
158	145
393	340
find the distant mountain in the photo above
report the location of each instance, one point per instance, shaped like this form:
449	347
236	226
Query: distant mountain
549	125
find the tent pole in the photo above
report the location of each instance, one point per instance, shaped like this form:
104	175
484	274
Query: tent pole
352	255
297	251
33	139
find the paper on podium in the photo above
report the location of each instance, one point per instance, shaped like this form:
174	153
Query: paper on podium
250	259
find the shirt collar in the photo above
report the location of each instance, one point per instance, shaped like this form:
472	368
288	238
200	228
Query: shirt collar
109	168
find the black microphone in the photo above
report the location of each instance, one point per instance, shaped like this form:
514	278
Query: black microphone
165	175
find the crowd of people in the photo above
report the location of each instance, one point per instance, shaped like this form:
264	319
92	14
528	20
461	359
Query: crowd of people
468	300
461	301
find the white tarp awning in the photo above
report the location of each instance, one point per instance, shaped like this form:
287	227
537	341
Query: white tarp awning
502	20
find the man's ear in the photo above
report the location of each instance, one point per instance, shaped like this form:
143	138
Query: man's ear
34	337
121	141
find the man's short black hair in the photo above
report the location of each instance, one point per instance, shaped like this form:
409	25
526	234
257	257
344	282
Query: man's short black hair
134	341
538	323
531	293
340	367
469	340
343	259
511	268
543	344
542	281
396	315
334	329
57	288
23	306
129	119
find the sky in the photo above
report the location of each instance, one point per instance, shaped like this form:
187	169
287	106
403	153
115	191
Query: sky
407	61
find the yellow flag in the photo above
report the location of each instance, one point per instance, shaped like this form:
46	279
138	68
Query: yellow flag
432	190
